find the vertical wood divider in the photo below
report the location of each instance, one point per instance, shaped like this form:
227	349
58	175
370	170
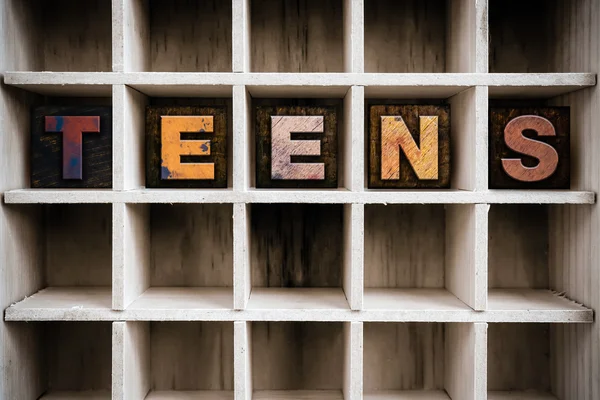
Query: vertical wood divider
463	138
354	139
118	256
130	360
131	252
242	363
481	356
129	123
481	137
240	35
466	253
353	361
242	284
131	35
354	228
469	125
118	35
465	371
354	36
118	127
241	139
467	36
481	36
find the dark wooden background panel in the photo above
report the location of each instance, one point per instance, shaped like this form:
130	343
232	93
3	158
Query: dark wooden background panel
296	245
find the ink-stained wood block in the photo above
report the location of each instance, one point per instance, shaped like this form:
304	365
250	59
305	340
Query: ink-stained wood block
186	147
409	146
71	147
296	146
529	148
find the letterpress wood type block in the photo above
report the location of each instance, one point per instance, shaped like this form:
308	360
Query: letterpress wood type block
296	146
529	148
186	147
71	147
409	146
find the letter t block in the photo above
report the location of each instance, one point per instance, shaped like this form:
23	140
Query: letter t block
71	147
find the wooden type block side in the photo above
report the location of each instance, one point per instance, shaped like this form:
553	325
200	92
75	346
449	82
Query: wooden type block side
49	165
218	147
328	146
557	137
415	165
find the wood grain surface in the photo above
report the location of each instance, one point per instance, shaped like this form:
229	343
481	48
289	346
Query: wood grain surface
296	245
328	151
217	156
528	153
400	150
55	161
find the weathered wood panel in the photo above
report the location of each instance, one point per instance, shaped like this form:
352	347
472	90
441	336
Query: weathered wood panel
191	356
522	36
403	356
190	36
191	245
519	357
77	355
296	36
76	35
405	36
297	355
296	245
518	246
78	240
404	246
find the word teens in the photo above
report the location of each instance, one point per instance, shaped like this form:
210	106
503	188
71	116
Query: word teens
409	146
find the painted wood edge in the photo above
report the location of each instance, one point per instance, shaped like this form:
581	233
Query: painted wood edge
241	256
576	79
240	36
226	196
242	337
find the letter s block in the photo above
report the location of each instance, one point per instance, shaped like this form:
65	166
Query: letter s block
296	146
409	146
529	148
71	147
186	147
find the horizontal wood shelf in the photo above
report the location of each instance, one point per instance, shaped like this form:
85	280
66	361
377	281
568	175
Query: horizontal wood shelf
411	85
274	304
191	196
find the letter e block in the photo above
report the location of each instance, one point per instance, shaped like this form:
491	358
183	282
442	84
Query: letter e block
296	147
71	147
186	147
529	148
409	146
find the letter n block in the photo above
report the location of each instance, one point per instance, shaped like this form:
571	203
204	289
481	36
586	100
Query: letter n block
529	148
186	147
71	147
296	146
409	146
